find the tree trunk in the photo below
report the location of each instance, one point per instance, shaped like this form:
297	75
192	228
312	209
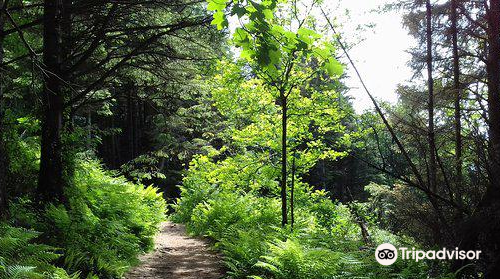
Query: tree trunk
50	183
457	91
430	85
431	138
493	73
292	189
491	202
89	129
284	118
115	153
483	225
3	153
130	124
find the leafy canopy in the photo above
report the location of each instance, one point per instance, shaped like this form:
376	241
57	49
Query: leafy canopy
270	41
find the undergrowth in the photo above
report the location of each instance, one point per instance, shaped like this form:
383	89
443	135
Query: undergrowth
21	257
325	242
106	223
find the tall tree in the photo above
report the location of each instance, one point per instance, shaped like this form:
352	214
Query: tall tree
457	94
276	47
493	74
490	205
468	216
3	153
315	120
50	182
284	145
430	107
78	65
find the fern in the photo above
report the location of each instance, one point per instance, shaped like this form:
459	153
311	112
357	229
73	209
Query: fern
218	201
22	258
21	272
104	210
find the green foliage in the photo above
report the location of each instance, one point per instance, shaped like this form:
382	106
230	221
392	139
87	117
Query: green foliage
143	167
23	148
107	223
232	196
268	41
325	241
22	258
234	218
315	128
237	221
290	259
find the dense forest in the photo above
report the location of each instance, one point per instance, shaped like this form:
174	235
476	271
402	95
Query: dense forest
233	118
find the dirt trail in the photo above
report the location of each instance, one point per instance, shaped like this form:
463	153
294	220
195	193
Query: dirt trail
178	256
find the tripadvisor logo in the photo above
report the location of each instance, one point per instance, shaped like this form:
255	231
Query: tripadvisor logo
387	254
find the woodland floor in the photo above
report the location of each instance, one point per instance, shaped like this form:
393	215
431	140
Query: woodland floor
178	256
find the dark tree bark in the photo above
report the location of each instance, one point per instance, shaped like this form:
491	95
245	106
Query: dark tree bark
491	203
493	73
284	119
482	227
115	152
430	87
130	124
431	136
458	95
50	183
3	153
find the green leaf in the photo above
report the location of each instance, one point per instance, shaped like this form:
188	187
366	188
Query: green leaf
263	56
238	11
333	67
308	33
240	36
216	5
322	53
274	56
247	54
268	14
278	29
220	20
308	36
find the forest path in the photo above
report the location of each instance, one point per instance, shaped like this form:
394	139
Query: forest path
178	256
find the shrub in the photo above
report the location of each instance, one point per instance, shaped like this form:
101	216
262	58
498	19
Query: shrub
23	149
21	257
107	222
325	242
241	223
195	190
290	259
